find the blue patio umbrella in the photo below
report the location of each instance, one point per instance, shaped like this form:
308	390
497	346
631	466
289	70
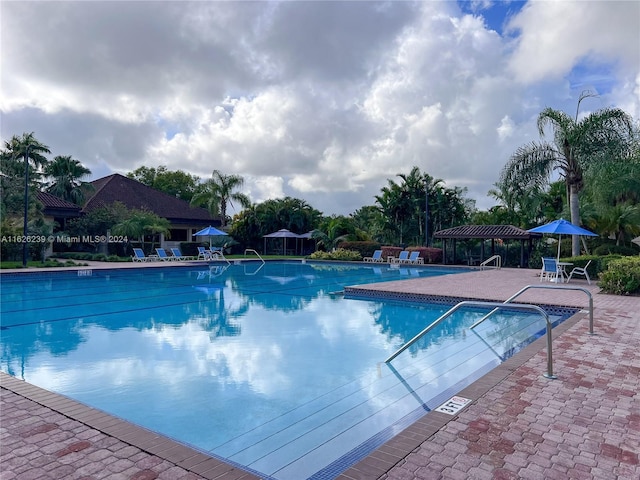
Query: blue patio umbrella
562	227
209	232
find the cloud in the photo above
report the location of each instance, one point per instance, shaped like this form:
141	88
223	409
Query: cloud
555	36
322	101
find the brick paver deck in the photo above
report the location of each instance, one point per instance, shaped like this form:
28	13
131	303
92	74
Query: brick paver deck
520	425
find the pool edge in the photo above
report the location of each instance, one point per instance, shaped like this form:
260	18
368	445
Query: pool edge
395	450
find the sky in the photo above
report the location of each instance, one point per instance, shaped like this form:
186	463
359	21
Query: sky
323	101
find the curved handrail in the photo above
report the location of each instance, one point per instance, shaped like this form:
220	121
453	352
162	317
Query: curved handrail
217	255
497	305
553	287
252	250
496	258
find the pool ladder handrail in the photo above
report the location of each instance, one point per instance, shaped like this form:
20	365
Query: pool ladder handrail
251	250
217	255
497	305
552	287
495	258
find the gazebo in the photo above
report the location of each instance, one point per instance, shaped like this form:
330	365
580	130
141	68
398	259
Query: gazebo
284	234
487	232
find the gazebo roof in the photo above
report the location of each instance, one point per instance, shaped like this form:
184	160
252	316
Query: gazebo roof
485	231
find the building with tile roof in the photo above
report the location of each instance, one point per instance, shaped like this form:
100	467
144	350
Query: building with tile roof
184	218
58	210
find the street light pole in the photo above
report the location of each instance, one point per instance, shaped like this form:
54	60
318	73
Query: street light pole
26	205
426	213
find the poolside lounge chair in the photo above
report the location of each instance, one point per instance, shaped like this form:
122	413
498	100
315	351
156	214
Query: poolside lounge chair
414	258
177	255
549	269
162	255
203	254
402	258
375	258
139	256
580	271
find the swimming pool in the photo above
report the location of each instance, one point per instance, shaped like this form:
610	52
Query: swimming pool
261	366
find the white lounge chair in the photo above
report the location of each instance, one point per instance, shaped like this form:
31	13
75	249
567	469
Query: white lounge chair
203	254
402	258
580	271
414	258
177	255
162	255
139	256
549	269
375	258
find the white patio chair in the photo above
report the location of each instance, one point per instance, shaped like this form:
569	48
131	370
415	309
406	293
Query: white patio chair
580	271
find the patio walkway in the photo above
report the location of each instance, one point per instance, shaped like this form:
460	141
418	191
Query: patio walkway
519	425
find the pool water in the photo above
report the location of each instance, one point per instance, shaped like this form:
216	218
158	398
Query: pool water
264	366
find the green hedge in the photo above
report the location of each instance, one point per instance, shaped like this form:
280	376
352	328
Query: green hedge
339	254
96	257
622	276
365	249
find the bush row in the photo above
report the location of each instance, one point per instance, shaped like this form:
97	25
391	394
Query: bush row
96	257
622	276
338	254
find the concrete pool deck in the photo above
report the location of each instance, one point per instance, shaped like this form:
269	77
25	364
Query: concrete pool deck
519	424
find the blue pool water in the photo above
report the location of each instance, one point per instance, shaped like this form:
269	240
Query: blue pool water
263	366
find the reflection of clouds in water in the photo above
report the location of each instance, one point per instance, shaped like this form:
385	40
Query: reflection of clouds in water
349	317
237	361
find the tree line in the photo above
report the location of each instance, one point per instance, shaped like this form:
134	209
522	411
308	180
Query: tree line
587	169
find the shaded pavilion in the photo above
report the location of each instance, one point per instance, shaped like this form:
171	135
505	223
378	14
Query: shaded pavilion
505	233
283	234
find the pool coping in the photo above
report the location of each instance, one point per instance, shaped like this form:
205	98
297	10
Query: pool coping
380	461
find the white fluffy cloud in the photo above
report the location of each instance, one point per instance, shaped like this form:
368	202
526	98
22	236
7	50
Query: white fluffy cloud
317	100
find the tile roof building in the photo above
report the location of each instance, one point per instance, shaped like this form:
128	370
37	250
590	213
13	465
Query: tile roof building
136	195
184	218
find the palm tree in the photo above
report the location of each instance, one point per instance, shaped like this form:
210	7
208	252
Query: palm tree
67	173
140	223
596	137
218	191
17	147
621	221
334	231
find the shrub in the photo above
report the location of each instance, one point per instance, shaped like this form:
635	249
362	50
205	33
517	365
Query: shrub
595	267
98	257
365	249
609	249
429	254
622	277
339	254
388	251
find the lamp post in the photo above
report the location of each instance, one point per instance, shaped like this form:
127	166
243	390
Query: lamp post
426	212
26	205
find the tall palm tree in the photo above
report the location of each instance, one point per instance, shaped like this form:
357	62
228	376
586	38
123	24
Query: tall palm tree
576	144
18	147
218	191
67	174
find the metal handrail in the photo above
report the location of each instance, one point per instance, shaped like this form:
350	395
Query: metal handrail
252	250
217	254
497	305
553	287
498	260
